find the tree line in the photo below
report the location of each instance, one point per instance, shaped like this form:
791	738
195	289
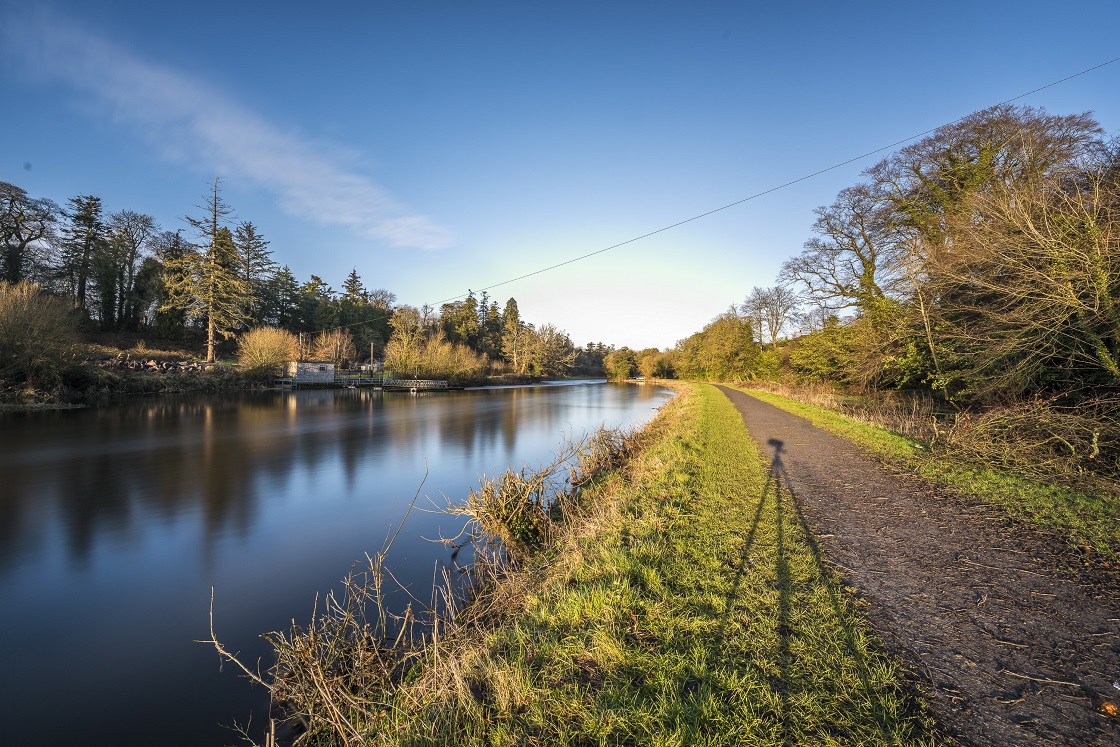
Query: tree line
981	264
122	272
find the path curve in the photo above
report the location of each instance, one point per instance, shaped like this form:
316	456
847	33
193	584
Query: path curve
1009	650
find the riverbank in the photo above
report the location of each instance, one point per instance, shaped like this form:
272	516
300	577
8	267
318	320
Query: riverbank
99	381
86	384
687	604
142	505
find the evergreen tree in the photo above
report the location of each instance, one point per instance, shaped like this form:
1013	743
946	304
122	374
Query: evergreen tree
170	251
589	359
353	290
208	285
318	310
490	334
256	268
85	238
511	317
281	302
460	321
144	304
106	271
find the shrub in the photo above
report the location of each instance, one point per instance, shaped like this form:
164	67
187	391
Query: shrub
264	351
37	335
1040	438
334	345
436	358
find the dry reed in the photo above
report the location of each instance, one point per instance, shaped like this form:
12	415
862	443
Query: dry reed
338	679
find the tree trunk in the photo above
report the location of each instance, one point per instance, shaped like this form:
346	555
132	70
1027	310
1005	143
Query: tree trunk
83	272
14	260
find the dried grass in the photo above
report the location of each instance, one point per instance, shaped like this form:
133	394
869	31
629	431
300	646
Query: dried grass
1064	439
911	415
1040	438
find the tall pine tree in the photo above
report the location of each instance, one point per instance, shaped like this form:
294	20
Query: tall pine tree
256	267
207	284
85	239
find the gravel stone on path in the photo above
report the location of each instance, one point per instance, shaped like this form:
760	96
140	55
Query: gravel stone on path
1009	648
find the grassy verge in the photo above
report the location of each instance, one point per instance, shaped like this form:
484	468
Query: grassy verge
689	607
1088	522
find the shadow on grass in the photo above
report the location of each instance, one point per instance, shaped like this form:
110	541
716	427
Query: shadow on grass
778	480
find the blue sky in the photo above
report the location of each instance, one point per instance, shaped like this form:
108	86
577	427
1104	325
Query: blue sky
440	147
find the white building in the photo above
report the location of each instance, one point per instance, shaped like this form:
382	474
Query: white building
311	372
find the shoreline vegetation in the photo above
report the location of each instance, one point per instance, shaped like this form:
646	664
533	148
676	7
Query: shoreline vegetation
676	597
100	371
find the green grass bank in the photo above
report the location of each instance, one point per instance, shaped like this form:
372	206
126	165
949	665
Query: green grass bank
1088	522
688	606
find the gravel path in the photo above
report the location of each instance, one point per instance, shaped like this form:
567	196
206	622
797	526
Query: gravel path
1009	649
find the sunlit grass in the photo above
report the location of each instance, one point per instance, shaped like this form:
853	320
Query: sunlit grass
693	610
1088	522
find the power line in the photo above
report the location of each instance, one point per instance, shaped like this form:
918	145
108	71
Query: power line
757	194
772	189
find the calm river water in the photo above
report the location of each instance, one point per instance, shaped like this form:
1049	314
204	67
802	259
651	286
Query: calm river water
116	522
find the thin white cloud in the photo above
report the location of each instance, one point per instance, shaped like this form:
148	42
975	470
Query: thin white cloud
190	121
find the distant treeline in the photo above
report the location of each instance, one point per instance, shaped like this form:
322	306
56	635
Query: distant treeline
121	272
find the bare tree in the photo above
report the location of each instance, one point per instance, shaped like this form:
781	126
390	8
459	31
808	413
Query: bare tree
518	343
769	311
1036	283
783	304
553	353
24	222
930	183
130	236
956	198
409	332
753	310
815	319
848	264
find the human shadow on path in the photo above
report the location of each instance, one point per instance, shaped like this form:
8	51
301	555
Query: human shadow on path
786	530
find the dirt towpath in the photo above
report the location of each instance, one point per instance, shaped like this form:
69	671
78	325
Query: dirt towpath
1009	649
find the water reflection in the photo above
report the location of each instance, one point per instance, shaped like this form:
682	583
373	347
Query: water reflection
115	523
97	469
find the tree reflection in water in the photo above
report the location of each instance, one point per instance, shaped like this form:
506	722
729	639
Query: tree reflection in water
116	521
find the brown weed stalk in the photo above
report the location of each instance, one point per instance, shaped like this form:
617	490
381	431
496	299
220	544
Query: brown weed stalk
340	678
